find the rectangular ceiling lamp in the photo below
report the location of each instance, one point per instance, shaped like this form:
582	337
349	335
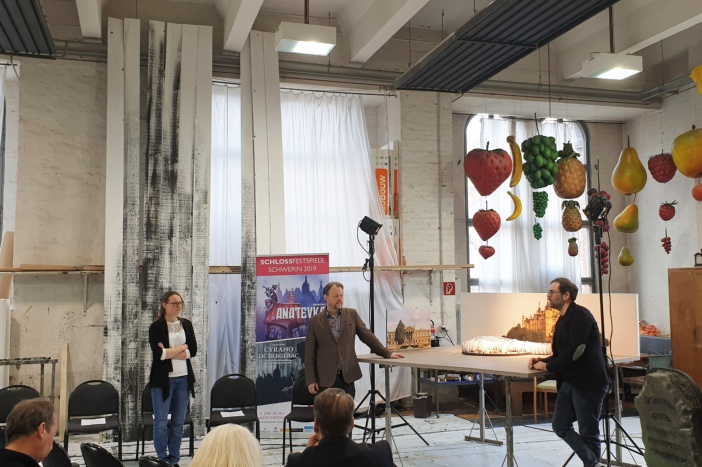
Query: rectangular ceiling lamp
612	66
301	38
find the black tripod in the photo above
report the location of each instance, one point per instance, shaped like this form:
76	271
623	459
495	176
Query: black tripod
373	392
606	414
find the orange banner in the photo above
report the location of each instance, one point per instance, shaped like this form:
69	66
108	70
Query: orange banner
381	178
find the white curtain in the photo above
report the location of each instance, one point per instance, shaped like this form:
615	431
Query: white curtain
224	341
329	188
521	263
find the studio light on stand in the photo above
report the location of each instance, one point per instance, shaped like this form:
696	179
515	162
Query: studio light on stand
371	227
598	207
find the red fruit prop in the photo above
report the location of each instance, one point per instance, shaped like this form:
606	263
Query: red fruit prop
486	223
667	210
662	167
486	251
666	243
602	254
697	192
487	169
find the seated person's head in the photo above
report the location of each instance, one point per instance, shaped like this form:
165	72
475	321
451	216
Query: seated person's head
31	427
333	413
228	446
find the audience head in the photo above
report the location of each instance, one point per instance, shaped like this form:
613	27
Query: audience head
228	446
333	412
31	426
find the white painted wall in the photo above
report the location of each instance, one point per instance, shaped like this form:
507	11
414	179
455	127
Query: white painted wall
60	215
649	275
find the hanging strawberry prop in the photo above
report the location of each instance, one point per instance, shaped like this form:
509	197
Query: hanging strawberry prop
486	223
487	169
667	210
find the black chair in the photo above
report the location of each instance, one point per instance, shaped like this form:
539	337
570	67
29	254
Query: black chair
97	456
301	409
232	393
147	421
58	458
11	395
93	400
150	461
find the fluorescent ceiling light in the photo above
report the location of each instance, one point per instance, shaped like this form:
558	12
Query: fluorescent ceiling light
612	66
303	38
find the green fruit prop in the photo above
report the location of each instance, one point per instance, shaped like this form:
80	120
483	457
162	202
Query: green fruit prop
625	257
540	156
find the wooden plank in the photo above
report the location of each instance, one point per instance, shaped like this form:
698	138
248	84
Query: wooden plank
201	214
260	144
248	217
114	208
63	388
131	335
274	144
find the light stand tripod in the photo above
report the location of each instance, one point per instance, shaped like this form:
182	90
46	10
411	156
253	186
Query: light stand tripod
373	392
598	210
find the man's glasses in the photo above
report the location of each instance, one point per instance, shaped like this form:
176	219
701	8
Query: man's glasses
551	292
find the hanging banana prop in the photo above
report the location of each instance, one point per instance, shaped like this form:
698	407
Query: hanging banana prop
516	161
517	206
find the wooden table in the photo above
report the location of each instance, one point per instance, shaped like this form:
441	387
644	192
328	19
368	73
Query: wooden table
451	359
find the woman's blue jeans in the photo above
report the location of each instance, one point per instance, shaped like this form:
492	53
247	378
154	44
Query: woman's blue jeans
584	406
168	435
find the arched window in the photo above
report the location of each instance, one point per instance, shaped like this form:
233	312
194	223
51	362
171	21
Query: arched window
522	263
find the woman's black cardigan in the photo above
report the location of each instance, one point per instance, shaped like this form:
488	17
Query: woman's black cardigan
158	332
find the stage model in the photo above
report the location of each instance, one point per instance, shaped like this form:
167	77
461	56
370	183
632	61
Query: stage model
452	359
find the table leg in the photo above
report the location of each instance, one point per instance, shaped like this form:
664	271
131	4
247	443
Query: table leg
481	407
388	408
508	421
436	393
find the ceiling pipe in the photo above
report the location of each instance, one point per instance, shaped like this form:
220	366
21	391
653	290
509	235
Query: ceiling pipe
228	66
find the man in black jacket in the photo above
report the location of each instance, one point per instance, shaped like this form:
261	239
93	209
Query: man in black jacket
31	427
330	444
581	372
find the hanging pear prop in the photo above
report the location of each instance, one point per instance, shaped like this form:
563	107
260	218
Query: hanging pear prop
629	175
628	220
625	257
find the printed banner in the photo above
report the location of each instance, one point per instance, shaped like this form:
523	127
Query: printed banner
290	291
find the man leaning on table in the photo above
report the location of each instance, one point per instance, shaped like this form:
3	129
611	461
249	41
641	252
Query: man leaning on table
581	373
330	353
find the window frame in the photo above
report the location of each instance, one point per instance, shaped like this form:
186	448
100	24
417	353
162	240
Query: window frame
591	280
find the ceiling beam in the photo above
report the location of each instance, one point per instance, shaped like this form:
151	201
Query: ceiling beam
90	17
369	24
238	18
637	25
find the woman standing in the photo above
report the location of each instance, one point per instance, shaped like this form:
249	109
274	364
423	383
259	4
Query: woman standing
173	344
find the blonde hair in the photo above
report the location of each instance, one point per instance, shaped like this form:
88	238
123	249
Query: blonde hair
228	446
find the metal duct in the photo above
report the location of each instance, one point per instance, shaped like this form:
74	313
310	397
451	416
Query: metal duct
498	36
23	29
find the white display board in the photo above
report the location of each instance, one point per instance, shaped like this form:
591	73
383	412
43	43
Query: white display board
494	314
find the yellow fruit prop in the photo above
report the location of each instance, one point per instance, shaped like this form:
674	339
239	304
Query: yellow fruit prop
517	206
629	175
570	179
628	220
516	162
696	76
687	153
